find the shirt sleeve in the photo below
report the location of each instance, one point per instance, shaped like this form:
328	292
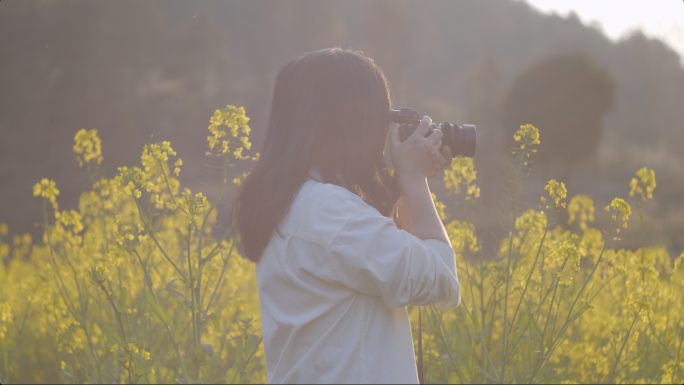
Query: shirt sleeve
372	256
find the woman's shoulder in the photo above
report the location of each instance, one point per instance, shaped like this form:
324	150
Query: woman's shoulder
320	211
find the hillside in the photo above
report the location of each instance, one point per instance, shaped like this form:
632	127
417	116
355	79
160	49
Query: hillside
152	71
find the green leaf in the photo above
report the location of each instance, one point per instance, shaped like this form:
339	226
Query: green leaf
216	322
201	355
232	376
162	318
484	372
123	298
209	349
252	343
188	303
68	374
208	258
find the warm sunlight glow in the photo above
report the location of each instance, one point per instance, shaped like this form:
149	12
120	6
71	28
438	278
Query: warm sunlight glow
662	19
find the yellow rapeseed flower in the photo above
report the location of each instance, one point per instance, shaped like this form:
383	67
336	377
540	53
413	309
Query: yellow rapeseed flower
439	206
238	181
235	120
620	206
47	189
557	192
71	218
582	207
132	349
462	174
97	275
88	146
527	134
643	184
462	236
177	164
128	179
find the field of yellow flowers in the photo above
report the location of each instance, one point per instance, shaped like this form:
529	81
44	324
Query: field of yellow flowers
135	286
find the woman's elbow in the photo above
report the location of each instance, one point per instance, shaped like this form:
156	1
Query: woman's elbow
453	297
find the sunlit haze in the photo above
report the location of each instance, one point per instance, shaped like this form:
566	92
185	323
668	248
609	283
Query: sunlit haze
663	19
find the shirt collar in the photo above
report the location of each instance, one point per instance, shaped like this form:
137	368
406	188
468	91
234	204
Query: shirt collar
316	175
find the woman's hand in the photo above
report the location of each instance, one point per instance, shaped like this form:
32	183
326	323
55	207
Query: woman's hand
418	157
414	160
444	160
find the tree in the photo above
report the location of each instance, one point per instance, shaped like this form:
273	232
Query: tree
565	96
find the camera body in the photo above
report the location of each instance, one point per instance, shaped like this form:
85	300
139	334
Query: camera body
460	139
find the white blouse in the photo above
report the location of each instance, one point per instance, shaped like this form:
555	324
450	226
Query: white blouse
334	286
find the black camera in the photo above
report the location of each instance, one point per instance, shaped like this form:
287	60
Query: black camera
460	139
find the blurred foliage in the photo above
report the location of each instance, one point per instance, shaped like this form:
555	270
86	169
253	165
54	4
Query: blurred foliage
556	306
136	287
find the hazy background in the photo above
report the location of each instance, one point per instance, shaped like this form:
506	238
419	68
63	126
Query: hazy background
143	72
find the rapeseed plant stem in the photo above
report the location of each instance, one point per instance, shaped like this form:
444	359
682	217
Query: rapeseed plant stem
192	296
218	283
541	285
542	349
116	311
598	261
508	266
130	378
679	350
617	359
167	327
432	317
105	245
85	364
493	300
543	356
529	276
480	339
64	292
73	365
462	195
150	231
146	280
200	262
168	186
465	219
65	295
20	336
483	309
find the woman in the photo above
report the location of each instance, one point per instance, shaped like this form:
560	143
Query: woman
335	274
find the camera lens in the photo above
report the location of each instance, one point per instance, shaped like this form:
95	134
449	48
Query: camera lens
460	139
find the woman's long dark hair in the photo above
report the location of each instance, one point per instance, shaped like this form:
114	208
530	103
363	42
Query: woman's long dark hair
330	110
